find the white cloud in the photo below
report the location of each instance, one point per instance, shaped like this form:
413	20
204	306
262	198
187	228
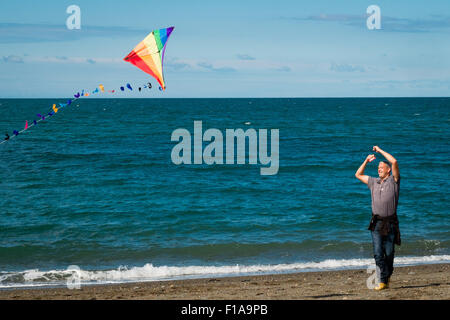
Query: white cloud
245	57
346	68
12	59
209	66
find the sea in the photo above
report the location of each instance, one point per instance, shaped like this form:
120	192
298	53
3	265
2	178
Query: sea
93	192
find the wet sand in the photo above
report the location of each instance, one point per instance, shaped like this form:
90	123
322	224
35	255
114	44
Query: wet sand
414	282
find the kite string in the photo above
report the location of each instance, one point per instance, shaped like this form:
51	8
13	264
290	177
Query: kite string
37	121
31	125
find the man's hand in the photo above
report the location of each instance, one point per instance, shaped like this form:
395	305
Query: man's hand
370	157
392	160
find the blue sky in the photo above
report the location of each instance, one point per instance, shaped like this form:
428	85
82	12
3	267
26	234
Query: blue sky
229	48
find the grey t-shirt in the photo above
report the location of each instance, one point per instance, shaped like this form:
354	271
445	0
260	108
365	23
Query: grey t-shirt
384	195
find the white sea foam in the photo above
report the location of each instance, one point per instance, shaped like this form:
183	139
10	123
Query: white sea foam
148	272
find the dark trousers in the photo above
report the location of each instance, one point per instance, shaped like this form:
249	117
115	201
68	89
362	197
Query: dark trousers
383	252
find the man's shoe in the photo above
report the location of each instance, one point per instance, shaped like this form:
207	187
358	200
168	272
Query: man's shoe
381	286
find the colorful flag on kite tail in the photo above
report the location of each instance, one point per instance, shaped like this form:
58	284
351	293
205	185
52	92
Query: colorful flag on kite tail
148	55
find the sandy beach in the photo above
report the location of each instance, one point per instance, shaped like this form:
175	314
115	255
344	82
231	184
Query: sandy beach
422	282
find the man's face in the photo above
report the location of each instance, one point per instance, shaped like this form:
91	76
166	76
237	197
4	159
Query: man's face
383	170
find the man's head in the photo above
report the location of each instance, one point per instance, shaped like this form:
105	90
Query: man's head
384	169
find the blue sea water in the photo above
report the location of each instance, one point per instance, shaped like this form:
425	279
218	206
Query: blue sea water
94	186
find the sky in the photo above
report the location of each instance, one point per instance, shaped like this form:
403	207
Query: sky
319	48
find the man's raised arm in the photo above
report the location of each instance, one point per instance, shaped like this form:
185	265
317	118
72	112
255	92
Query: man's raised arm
392	160
360	172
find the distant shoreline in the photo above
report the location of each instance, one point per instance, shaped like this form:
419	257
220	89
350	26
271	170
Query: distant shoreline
428	281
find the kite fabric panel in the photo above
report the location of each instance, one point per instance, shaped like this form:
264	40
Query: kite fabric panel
148	55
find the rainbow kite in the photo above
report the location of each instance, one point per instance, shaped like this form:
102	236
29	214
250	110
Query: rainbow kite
148	55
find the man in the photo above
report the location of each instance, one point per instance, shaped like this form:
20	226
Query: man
384	224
